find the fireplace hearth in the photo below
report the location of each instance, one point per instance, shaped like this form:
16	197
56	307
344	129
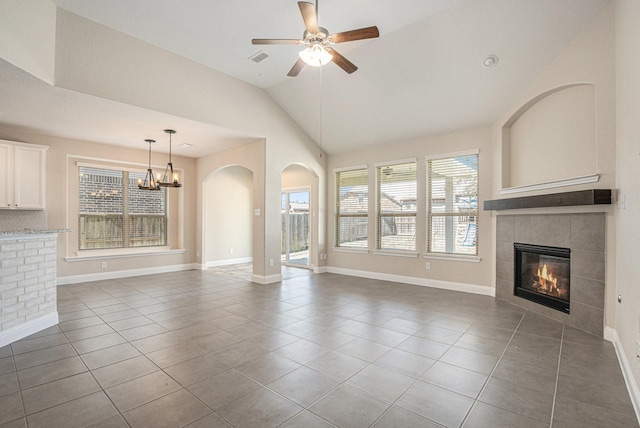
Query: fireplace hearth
542	275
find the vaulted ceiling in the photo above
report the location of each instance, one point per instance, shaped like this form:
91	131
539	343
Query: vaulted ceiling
424	75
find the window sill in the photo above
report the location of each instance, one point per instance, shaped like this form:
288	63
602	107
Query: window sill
351	250
453	257
122	253
410	254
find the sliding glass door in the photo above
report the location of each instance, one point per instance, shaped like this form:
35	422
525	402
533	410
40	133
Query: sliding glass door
295	227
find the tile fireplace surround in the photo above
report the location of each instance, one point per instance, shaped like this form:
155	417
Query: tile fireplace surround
584	234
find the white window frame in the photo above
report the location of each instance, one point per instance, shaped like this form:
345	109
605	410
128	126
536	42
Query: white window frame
450	255
399	252
337	214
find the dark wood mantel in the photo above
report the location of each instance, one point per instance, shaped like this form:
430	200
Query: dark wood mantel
566	199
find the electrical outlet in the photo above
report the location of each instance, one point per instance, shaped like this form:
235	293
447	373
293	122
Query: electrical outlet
270	262
230	250
103	265
428	265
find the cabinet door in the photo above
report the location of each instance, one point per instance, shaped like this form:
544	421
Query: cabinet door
6	176
29	164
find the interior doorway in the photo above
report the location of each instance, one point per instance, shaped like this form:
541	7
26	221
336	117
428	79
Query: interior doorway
295	220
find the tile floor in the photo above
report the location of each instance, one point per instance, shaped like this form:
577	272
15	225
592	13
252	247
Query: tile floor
211	349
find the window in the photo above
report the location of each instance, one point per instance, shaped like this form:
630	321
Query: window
352	207
452	198
396	206
114	213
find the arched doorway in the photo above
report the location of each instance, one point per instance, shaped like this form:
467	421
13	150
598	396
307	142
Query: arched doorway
299	189
228	218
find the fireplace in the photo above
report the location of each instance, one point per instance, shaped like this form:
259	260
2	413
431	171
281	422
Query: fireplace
542	275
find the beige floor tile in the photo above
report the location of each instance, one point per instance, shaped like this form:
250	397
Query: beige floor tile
124	371
142	390
364	344
174	410
11	406
223	388
104	357
196	369
303	386
347	407
53	393
81	412
260	409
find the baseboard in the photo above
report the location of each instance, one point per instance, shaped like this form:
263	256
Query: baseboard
28	328
227	262
319	269
268	279
425	282
74	279
611	335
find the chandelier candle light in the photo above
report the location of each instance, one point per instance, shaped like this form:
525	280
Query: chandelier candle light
149	182
170	178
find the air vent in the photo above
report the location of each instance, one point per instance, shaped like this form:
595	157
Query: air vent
258	57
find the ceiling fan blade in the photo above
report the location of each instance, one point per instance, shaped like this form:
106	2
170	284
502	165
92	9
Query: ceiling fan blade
309	16
296	69
342	62
359	34
275	42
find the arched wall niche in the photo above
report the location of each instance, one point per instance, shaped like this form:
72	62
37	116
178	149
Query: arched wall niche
551	140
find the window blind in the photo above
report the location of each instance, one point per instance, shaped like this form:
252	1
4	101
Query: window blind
396	206
452	198
352	208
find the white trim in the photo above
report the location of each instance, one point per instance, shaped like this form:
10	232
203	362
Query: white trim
351	168
74	279
227	262
410	254
27	145
104	163
453	155
355	250
146	251
425	282
319	269
585	179
611	335
395	162
28	328
453	257
268	279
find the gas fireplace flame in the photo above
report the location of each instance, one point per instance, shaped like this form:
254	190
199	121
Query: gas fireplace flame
546	280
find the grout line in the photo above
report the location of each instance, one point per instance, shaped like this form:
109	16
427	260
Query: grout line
494	369
555	389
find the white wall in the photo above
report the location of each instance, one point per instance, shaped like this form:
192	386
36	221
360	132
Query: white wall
62	205
589	59
27	36
458	272
93	59
229	215
628	178
555	138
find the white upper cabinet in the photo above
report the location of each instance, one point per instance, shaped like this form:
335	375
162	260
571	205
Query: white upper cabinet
22	176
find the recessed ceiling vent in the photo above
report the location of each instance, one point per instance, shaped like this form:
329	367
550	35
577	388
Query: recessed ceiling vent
259	57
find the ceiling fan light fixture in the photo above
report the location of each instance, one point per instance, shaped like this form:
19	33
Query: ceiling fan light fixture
315	55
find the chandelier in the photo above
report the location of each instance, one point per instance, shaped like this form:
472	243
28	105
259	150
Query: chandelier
149	183
170	178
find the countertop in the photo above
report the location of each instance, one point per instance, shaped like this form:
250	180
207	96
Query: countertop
27	232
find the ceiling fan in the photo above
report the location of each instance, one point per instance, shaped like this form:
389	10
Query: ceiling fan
318	42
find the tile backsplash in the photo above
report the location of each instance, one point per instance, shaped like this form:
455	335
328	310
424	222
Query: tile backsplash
20	220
